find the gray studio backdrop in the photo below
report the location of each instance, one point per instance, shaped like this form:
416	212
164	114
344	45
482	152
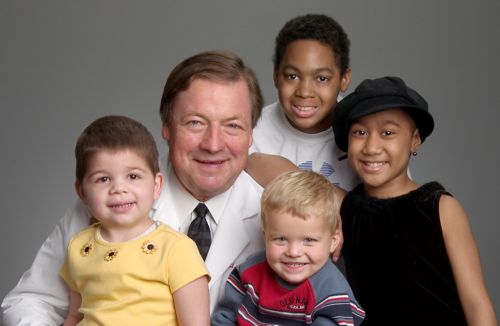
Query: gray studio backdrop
65	63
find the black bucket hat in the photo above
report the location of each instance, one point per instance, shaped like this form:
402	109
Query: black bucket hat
375	95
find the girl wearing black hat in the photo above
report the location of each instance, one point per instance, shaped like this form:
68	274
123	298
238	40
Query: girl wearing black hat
409	251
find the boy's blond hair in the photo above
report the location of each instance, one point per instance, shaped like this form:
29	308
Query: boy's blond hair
304	194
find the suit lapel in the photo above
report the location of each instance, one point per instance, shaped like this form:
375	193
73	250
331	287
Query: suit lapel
232	235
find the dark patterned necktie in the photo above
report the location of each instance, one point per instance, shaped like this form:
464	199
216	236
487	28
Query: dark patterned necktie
199	230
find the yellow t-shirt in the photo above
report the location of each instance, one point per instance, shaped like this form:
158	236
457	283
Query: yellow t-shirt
131	283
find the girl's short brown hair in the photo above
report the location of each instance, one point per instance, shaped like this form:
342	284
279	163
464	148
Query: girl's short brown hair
115	133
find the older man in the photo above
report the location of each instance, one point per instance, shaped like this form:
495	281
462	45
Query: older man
210	104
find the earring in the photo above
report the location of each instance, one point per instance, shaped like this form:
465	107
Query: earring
414	153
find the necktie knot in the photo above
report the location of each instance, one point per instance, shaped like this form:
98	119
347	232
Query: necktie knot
201	210
199	230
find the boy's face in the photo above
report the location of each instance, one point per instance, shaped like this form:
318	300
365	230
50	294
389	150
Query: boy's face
119	188
380	145
298	248
308	82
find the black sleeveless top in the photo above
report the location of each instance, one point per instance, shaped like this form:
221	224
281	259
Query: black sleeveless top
396	260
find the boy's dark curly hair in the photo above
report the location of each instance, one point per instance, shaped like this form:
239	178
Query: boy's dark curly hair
314	27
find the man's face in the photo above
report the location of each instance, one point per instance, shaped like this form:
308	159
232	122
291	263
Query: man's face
209	136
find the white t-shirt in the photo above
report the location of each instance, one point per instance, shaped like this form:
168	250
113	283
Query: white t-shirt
317	152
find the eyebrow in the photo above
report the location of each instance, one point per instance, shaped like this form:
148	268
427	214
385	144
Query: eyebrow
383	123
316	70
105	171
390	122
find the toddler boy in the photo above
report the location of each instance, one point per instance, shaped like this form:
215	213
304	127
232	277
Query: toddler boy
294	281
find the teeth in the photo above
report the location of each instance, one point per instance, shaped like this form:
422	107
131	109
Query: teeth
295	265
211	162
122	205
304	108
375	164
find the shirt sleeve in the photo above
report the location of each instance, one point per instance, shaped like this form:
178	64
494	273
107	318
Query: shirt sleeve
41	296
184	264
323	321
226	312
